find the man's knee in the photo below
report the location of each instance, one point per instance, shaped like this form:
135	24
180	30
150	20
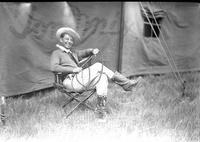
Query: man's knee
104	78
98	65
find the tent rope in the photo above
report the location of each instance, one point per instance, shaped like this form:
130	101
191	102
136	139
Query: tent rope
162	45
162	36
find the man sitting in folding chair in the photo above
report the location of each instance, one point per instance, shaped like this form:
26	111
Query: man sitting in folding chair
66	60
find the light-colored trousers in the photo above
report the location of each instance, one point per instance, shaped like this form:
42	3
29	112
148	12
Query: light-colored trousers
90	78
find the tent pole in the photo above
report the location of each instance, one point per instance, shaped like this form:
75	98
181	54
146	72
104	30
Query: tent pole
121	38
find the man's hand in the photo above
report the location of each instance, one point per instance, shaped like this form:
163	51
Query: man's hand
95	51
77	70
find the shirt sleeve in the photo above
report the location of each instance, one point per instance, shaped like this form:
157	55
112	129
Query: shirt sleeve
56	67
84	53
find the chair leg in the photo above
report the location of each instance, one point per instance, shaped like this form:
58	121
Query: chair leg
71	99
81	102
89	106
74	98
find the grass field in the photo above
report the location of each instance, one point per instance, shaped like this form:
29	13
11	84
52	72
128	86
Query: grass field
154	111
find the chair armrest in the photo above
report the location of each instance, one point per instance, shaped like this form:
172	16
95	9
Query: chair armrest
58	77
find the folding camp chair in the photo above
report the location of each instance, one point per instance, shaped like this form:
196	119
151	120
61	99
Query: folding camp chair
75	96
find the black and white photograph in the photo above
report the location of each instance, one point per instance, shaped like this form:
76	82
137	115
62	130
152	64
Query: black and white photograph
103	71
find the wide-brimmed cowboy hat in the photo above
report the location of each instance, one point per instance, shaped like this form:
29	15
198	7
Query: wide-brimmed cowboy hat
71	32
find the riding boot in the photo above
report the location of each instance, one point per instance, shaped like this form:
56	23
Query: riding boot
101	107
124	82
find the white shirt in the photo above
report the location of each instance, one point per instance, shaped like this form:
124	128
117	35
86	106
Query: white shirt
63	48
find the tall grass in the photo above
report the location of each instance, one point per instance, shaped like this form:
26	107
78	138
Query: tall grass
156	110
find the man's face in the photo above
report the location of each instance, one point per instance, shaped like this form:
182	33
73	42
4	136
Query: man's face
67	40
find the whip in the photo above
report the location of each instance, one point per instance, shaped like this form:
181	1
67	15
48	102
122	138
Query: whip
90	81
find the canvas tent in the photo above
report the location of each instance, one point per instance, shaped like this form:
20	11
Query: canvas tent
177	46
119	29
27	39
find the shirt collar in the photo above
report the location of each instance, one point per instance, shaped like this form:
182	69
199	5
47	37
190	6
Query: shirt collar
63	48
